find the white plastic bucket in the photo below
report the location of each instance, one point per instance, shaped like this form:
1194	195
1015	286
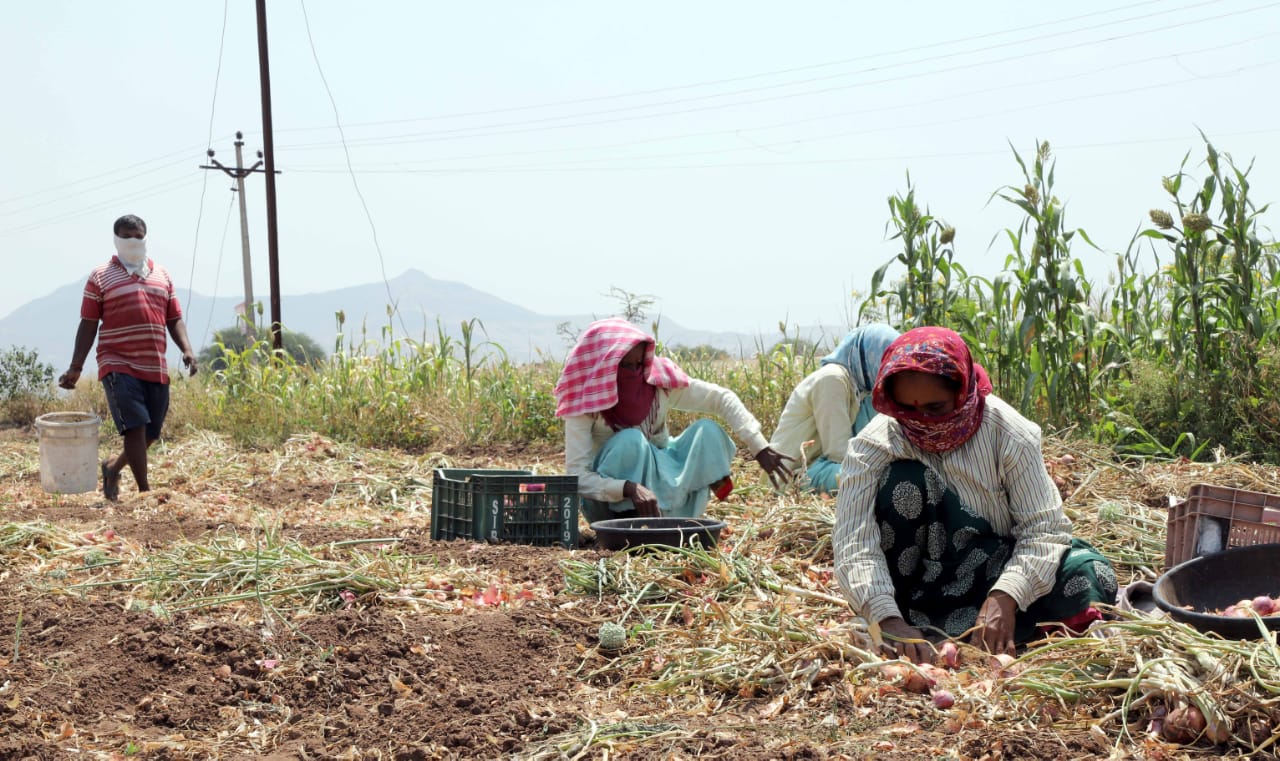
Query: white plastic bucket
68	451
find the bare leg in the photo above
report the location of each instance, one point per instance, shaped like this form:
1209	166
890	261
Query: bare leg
135	456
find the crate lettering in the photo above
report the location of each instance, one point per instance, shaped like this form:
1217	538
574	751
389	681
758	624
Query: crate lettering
495	513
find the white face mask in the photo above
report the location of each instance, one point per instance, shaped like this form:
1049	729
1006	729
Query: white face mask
132	251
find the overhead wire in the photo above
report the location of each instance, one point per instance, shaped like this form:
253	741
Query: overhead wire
997	33
540	125
934	101
148	192
393	305
615	96
346	144
950	119
745	77
217	272
842	160
25	209
204	184
180	152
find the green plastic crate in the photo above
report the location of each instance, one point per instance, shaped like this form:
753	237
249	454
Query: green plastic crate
504	506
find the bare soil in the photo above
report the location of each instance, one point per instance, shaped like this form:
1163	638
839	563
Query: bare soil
86	674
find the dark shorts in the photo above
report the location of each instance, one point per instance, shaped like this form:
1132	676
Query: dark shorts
136	403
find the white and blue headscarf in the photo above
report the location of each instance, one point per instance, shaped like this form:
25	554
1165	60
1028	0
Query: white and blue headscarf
859	353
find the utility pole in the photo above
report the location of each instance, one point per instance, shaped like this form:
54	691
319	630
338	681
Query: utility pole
238	174
244	236
268	144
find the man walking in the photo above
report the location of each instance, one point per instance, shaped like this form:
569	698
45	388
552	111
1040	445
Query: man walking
134	300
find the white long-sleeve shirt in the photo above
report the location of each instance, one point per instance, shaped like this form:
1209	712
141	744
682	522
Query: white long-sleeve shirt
822	408
584	435
999	473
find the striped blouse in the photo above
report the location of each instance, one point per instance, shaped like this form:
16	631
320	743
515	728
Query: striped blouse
999	473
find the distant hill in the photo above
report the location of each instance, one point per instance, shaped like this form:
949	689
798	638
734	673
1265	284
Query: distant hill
48	324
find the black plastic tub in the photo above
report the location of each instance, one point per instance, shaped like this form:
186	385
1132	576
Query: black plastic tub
1190	591
620	533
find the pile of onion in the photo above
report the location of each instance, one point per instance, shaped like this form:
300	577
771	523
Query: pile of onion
1262	605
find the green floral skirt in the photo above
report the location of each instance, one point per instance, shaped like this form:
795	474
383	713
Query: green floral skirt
944	558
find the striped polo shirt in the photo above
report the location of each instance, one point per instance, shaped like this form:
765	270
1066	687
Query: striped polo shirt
134	312
998	474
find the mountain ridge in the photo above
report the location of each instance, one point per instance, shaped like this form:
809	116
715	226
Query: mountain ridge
425	308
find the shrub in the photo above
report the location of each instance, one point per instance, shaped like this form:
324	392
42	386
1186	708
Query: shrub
26	385
301	347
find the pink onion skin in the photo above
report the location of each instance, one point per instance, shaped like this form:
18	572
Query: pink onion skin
943	699
1183	725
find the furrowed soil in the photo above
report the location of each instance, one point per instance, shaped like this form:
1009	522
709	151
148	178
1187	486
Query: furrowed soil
92	667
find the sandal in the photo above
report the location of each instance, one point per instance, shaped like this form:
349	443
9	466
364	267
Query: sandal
110	483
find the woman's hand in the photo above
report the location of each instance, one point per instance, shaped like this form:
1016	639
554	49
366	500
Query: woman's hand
646	501
775	464
994	629
896	631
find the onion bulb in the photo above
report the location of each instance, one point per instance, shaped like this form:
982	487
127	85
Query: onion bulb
907	678
949	654
943	699
1183	725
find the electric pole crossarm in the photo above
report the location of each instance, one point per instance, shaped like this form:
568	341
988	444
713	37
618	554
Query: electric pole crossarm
238	173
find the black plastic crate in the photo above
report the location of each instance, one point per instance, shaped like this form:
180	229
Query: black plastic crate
504	506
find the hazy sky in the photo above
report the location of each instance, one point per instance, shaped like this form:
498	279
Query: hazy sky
731	159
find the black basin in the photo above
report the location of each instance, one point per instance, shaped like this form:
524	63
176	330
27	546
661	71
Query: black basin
1213	582
620	533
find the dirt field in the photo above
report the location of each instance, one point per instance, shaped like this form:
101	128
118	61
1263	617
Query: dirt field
494	666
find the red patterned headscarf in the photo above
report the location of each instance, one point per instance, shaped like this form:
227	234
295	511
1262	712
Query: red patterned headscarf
590	379
941	352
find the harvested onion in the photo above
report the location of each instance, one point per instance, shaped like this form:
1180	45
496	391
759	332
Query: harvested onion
1003	665
908	678
949	654
943	699
1183	725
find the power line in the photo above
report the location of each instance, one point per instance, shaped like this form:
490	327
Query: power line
354	182
217	72
217	273
831	161
186	151
729	80
748	77
181	152
204	185
59	199
952	119
770	126
539	125
158	189
792	122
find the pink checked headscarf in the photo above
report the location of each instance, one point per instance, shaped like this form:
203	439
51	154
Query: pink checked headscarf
589	381
942	352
